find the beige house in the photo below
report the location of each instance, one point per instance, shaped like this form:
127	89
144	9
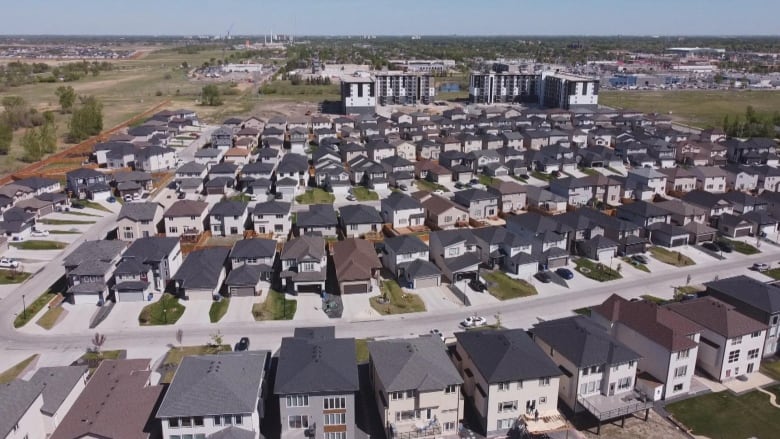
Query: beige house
416	387
185	217
441	213
138	220
511	195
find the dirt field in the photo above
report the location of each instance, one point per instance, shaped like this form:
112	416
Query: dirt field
655	428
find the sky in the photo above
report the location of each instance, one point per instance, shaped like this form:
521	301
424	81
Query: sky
390	17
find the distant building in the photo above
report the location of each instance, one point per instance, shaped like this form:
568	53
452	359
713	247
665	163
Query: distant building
564	90
404	88
549	89
358	94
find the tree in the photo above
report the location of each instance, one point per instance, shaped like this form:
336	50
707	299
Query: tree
6	136
31	144
97	342
87	120
67	96
48	137
210	96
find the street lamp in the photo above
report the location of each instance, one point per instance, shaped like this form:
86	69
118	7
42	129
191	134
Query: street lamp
165	315
24	308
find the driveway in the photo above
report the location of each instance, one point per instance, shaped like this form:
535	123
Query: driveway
476	298
240	309
124	315
309	309
438	298
358	307
196	312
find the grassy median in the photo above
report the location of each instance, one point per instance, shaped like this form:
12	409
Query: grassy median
33	308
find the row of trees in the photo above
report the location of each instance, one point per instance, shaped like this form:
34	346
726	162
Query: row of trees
752	124
17	73
297	80
40	141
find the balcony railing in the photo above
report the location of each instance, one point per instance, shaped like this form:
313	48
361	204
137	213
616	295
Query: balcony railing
641	403
433	429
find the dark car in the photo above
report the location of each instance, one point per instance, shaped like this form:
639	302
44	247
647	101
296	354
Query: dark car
543	277
181	195
725	247
459	185
77	205
642	259
476	285
711	246
242	344
565	273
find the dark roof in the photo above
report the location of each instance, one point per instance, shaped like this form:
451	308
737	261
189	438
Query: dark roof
314	365
272	208
16	397
153	248
506	355
128	266
57	384
293	163
583	342
185	208
223	168
94	251
84	173
470	195
717	316
233	432
305	247
202	268
752	292
229	208
354	259
246	275
359	214
420	268
139	211
418	364
36	182
191	168
318	215
406	244
205	385
449	237
643	209
400	201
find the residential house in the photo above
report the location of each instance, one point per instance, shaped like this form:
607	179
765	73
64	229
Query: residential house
319	219
185	218
222	138
649	178
215	396
753	151
138	220
89	269
60	387
542	200
710	178
20	411
40	185
679	180
755	299
155	159
741	178
228	217
667	342
731	343
18	223
209	157
440	212
590	189
456	254
406	256
480	204
643	213
402	211
744	203
768	178
763	224
122	390
304	264
713	204
316	383
549	238
415	386
379	150
509	379
202	274
272	217
734	226
511	195
252	266
356	265
357	220
501	249
88	183
162	256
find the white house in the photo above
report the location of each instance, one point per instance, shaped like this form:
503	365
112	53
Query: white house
402	210
185	217
272	217
228	218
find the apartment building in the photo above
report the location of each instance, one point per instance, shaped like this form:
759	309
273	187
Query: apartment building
494	88
404	88
358	94
564	90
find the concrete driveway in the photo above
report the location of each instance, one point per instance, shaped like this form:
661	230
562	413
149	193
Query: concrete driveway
309	308
124	315
438	298
196	312
240	309
358	307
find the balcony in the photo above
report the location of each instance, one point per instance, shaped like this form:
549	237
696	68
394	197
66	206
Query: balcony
420	429
611	407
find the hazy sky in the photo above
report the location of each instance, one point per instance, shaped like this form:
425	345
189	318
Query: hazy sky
392	17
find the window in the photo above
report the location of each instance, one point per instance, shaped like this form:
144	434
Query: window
217	420
228	419
173	422
306	266
335	419
198	421
239	419
452	251
520	384
624	383
334	403
298	421
297	400
505	423
128	235
585	372
733	356
450	389
753	354
186	422
173	229
544	382
174	436
683	354
336	435
736	340
678	387
410	394
774	320
756	334
542	400
503	386
279	216
200	436
631	364
396	396
507	406
448	426
680	371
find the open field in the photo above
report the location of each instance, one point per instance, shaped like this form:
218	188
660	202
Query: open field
695	107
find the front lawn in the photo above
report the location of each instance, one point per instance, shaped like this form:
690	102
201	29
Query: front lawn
669	257
315	196
361	350
33	308
12	277
589	171
771	368
165	311
636	264
741	247
394	301
542	176
362	193
725	416
14	371
595	270
504	287
175	355
64	232
773	273
275	307
75	213
91	205
486	180
58	222
39	245
218	310
50	317
429	186
242	197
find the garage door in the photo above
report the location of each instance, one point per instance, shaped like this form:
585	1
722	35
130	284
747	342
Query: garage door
426	282
557	263
355	289
745	231
315	288
678	242
604	255
242	291
130	296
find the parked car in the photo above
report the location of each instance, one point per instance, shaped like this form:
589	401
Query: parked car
438	192
242	344
564	273
403	187
181	195
437	333
642	259
474	181
477	285
725	247
473	322
351	197
253	197
111	199
543	277
459	185
128	198
759	266
711	246
39	233
8	263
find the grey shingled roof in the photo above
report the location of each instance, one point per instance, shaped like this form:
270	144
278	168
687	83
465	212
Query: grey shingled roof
139	211
400	201
253	248
153	248
233	432
16	397
359	214
308	365
304	247
745	289
215	384
318	215
229	208
94	251
506	355
405	244
583	342
58	382
201	268
272	208
420	268
246	275
418	364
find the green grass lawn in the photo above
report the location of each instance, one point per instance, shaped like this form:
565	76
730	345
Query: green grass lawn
59	222
636	264
771	368
362	193
241	197
725	416
542	176
93	359
165	311
582	311
14	371
176	354
64	232
504	287
687	289
486	180
741	247
12	277
275	307
596	271
429	186
361	350
50	317
218	310
398	302
92	205
773	273
315	196
39	245
589	171
671	257
696	107
33	308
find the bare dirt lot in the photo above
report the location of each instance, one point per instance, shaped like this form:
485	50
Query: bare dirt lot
655	428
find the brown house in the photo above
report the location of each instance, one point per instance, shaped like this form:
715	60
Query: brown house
356	265
441	213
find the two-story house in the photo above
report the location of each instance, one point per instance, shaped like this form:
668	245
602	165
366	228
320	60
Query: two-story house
356	220
649	178
162	256
88	183
456	254
316	383
228	217
480	204
440	212
549	238
406	256
185	218
415	386
499	248
402	211
202	274
272	217
319	219
304	264
138	220
509	379
511	195
667	342
356	266
252	263
711	179
89	269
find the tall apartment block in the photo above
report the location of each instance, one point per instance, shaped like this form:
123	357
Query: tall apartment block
564	90
358	95
553	90
404	88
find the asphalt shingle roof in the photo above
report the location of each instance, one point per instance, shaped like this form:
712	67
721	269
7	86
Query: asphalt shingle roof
201	268
316	365
406	244
94	251
359	214
153	248
16	397
57	384
745	289
418	364
254	248
139	211
717	316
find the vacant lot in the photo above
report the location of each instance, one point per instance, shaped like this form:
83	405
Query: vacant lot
695	107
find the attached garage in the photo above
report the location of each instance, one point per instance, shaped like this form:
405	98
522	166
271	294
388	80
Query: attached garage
308	288
426	282
355	288
598	248
244	280
87	293
522	265
421	274
555	257
734	226
668	235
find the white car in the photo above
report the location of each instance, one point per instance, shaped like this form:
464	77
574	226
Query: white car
39	233
438	192
473	322
8	263
437	333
